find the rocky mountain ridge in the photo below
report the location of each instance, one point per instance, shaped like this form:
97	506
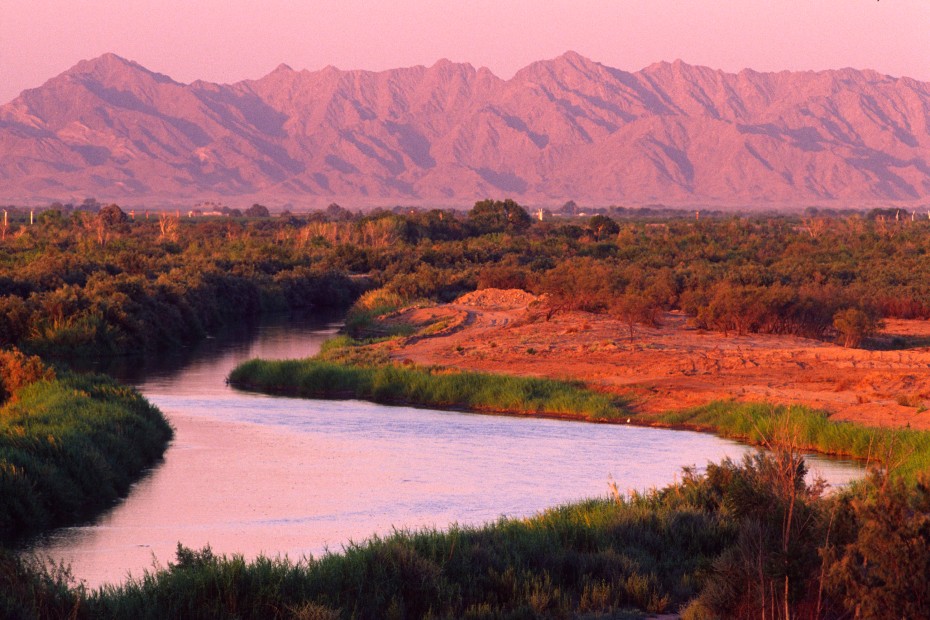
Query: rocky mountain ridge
450	134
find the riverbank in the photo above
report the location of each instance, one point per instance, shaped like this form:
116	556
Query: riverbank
605	558
819	554
672	366
69	448
427	387
350	370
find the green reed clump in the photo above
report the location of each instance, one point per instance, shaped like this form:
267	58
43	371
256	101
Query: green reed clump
29	589
69	448
596	556
427	387
905	452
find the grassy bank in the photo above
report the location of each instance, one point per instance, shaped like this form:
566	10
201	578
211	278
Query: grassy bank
69	448
741	540
426	387
905	452
591	558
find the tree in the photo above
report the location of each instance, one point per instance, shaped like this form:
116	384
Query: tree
854	325
734	307
336	213
579	284
602	227
257	210
492	216
632	308
883	572
18	370
111	216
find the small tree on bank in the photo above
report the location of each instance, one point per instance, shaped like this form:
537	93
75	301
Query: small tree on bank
854	325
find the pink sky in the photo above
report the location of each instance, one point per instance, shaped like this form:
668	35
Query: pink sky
231	40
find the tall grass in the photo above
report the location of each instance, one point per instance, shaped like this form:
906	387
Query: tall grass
592	557
428	387
905	451
69	448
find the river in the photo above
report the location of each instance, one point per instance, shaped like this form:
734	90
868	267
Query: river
253	474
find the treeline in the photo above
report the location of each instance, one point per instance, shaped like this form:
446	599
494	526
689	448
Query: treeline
102	283
107	282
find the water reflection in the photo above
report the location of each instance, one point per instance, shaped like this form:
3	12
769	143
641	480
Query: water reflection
256	474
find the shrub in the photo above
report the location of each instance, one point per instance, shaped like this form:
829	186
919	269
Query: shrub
883	572
18	370
854	325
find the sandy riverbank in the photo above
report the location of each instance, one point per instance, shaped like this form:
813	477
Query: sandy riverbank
674	366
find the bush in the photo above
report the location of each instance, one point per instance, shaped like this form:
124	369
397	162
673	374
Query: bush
854	325
18	370
883	572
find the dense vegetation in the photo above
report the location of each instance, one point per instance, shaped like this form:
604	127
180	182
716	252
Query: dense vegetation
426	387
69	447
107	282
743	539
104	284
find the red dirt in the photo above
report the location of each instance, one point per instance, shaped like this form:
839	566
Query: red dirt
673	366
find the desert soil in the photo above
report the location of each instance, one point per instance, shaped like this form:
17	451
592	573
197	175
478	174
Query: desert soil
675	366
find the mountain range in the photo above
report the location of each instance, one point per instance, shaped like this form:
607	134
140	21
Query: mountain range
562	129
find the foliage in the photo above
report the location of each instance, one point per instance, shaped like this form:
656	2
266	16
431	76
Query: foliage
18	370
494	216
257	210
69	447
905	452
854	325
599	556
882	572
772	568
428	387
31	590
102	282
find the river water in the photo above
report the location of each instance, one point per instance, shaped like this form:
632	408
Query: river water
255	474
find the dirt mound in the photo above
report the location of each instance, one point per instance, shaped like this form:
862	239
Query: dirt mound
501	299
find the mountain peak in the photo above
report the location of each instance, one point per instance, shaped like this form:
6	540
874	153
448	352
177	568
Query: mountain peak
110	66
573	57
568	62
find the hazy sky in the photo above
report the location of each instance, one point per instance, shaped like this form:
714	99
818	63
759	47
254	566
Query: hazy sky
230	40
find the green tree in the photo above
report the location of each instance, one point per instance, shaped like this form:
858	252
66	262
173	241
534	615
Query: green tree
491	216
854	325
602	227
883	572
257	210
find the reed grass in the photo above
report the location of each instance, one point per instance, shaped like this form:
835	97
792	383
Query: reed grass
427	387
69	448
905	452
594	557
